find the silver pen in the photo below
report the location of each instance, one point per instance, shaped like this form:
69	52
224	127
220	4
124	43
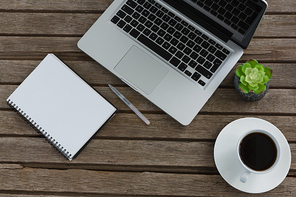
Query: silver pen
129	104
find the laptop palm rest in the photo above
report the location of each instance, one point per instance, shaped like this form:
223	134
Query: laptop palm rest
140	69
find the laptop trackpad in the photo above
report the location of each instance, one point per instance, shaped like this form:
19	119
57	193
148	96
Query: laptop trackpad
141	70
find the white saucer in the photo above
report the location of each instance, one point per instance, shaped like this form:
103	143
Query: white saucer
227	162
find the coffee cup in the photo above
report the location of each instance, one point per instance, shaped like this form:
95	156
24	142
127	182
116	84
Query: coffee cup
258	152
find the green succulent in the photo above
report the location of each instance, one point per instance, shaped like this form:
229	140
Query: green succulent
253	76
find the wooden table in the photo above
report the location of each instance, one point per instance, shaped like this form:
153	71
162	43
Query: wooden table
127	157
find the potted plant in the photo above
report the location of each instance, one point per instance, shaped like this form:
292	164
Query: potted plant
251	80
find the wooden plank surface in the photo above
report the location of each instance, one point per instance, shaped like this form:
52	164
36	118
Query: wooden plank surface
127	157
204	127
27	47
280	101
76	24
275	6
115	183
15	71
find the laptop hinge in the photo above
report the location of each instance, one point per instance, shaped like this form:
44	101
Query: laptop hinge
201	19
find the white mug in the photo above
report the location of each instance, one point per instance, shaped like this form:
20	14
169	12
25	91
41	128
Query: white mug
247	169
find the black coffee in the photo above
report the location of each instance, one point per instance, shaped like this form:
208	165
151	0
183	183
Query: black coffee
258	151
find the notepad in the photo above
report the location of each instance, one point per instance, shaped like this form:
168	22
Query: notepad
61	105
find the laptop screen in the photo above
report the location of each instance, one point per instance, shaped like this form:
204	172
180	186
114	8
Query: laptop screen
236	19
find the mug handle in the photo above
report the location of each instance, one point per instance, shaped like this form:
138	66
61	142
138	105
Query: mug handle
245	176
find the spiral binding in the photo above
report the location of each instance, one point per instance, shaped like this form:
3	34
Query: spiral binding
38	128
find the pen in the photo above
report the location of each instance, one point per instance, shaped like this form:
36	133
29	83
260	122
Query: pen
129	104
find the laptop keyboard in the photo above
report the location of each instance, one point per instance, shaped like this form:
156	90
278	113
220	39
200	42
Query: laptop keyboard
187	49
239	14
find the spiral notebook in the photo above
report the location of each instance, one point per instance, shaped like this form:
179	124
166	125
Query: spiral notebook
61	105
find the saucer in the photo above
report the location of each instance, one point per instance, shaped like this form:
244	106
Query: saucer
227	162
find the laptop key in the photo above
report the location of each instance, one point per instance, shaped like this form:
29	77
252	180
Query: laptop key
204	53
135	33
197	48
196	76
131	3
153	9
147	32
182	67
226	51
128	19
185	59
121	14
147	5
127	28
139	8
187	50
171	30
207	64
177	34
180	46
159	40
140	27
205	44
166	45
121	24
216	65
154	47
158	5
134	23
220	55
155	28
142	19
136	15
145	13
179	27
173	50
192	64
243	25
148	24
152	17
198	40
151	1
210	57
174	41
203	71
179	54
201	60
115	19
153	36
175	61
127	9
188	73
212	49
201	82
185	31
141	1
159	13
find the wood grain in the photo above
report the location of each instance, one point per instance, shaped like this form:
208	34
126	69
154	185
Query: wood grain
127	157
51	5
15	71
148	153
18	47
280	101
130	184
274	6
76	24
129	126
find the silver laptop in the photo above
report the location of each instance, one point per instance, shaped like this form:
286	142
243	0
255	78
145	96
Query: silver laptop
173	52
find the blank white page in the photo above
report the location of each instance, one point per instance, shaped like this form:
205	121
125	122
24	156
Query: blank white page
62	105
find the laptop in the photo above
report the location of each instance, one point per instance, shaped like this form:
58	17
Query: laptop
174	52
